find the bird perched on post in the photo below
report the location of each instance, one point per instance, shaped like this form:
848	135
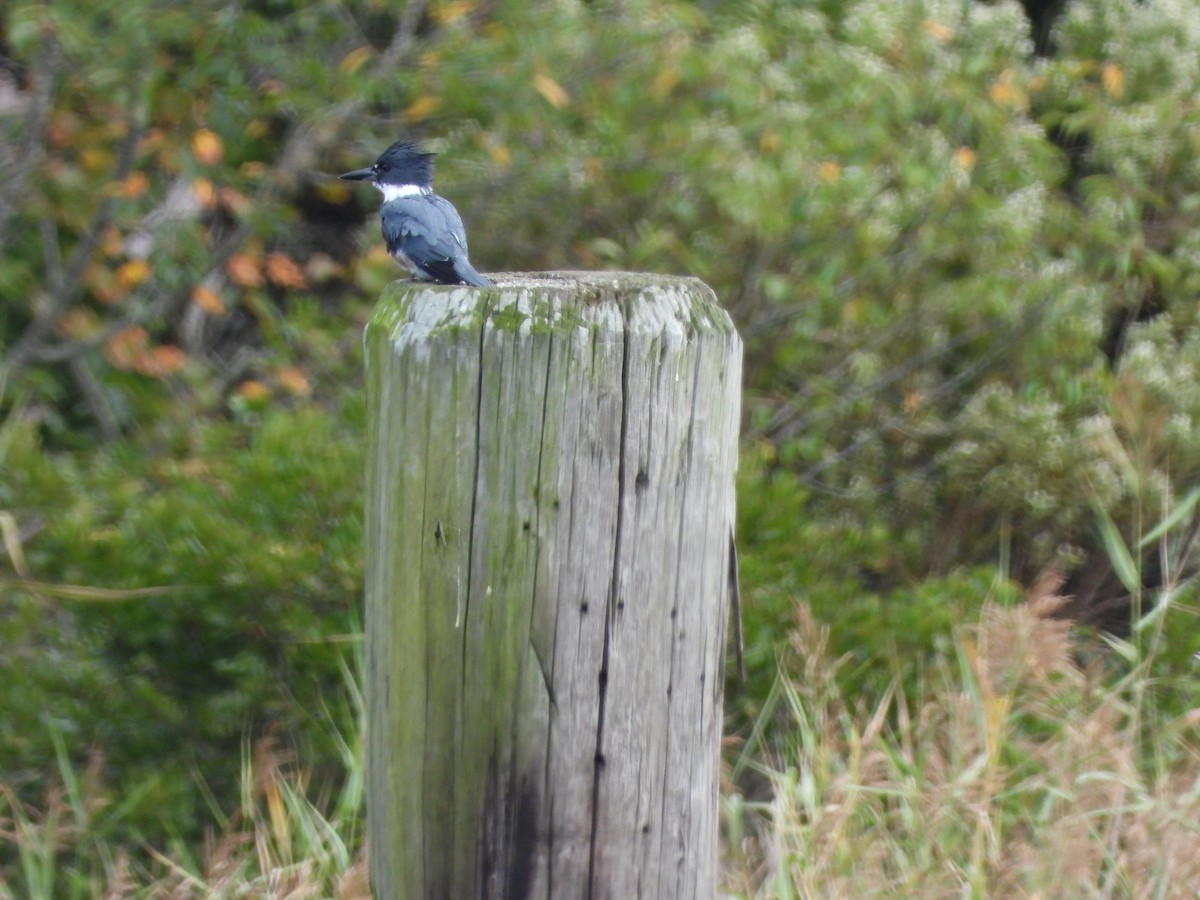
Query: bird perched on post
423	231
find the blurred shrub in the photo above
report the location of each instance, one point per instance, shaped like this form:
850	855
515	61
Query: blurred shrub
248	544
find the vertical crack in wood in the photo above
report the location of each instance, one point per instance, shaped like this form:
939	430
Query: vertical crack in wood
537	522
614	584
525	815
689	452
427	865
464	611
462	618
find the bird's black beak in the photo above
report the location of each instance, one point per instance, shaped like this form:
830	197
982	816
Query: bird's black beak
359	175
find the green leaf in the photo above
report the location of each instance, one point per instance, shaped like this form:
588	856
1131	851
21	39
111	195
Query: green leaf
1118	552
1177	515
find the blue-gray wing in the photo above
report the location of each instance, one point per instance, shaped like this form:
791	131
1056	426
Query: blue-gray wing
429	232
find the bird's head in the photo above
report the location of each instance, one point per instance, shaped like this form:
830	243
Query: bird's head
401	165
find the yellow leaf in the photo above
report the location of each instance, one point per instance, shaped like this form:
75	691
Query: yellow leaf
1112	76
95	159
78	323
422	108
353	61
243	270
102	282
284	272
665	81
203	190
208	300
501	155
964	158
555	94
207	147
336	192
769	142
938	30
132	273
254	391
829	171
322	267
852	310
111	242
445	13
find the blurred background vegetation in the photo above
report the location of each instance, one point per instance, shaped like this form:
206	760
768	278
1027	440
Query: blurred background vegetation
960	239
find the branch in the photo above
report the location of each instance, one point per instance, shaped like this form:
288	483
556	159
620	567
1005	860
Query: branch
69	277
31	150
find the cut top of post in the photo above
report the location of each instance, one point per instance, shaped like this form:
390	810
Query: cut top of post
554	301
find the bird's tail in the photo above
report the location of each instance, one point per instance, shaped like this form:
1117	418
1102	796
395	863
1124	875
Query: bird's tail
467	275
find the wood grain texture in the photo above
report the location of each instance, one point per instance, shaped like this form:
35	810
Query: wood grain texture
550	492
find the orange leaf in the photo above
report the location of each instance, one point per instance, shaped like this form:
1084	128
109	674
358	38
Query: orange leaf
125	348
135	185
244	271
238	204
1006	91
162	360
208	300
131	274
1112	76
829	171
207	147
294	381
284	272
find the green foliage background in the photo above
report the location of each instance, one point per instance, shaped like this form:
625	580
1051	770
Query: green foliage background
967	278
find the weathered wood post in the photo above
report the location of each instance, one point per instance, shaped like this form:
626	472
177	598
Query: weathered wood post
549	503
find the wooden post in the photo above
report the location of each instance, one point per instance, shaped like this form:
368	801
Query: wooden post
549	507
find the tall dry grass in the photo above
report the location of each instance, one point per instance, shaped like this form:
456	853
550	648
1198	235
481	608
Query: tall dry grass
1015	773
1011	772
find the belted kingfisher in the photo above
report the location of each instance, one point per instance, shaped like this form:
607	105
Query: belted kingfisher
423	231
